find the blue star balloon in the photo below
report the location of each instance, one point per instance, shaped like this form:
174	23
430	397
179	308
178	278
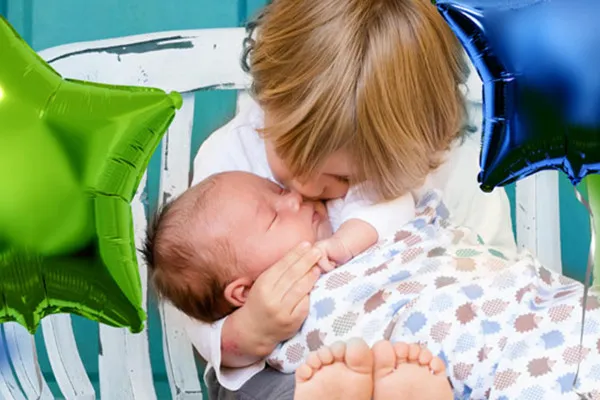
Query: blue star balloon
539	61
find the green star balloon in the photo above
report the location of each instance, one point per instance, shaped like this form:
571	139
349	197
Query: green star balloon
72	154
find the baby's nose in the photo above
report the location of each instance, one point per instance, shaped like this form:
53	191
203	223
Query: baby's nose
291	201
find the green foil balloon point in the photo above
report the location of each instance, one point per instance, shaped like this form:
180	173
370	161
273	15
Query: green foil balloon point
72	155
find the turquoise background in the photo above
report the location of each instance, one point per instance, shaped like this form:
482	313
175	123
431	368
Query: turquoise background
45	24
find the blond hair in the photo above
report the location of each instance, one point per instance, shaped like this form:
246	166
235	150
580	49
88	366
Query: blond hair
377	78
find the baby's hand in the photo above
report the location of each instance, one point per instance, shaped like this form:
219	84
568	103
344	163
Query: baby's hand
335	253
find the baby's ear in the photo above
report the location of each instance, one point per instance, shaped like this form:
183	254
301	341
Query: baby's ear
237	291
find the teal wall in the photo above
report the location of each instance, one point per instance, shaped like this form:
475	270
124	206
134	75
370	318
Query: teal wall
574	228
49	23
45	24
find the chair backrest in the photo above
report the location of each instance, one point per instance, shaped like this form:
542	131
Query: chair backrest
185	61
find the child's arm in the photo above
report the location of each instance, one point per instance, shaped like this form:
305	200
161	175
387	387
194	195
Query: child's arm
276	307
364	224
240	345
352	238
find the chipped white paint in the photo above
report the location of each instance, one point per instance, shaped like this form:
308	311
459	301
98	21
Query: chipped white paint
180	60
124	365
124	361
9	388
23	356
137	346
114	378
538	217
67	366
175	172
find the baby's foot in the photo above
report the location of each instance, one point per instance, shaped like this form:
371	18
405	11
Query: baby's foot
405	371
339	372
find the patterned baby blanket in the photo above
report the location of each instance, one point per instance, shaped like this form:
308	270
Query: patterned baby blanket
506	327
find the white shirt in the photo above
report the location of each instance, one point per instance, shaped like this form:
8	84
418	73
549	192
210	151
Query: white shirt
237	146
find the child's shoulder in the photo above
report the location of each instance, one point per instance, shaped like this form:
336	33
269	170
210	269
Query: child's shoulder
236	146
240	131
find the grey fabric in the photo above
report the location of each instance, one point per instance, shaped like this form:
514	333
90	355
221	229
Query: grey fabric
268	384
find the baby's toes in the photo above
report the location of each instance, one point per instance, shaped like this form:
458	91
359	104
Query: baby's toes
437	366
402	350
414	351
425	357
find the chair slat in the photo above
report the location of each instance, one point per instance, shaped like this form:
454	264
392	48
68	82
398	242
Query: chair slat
123	373
22	351
207	59
63	354
138	345
112	364
124	362
179	357
210	59
9	388
538	218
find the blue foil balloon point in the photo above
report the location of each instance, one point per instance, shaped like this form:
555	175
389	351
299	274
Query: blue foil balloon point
539	61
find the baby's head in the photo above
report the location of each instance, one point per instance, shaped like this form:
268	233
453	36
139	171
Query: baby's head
208	246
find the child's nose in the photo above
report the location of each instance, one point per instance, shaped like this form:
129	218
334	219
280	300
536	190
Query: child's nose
291	201
309	190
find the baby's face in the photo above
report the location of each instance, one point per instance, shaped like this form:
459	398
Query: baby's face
265	221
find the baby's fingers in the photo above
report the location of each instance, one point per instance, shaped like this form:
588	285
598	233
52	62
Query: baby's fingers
326	265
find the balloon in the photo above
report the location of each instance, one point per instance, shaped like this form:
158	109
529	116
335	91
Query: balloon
593	186
72	155
539	63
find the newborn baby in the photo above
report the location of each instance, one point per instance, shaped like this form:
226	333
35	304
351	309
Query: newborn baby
218	237
505	326
215	240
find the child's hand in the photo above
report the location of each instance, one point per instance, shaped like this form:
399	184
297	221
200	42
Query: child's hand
278	302
335	253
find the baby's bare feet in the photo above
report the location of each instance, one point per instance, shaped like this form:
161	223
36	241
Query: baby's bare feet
405	371
339	372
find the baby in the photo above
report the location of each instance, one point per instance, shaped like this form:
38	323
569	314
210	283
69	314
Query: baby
505	326
211	244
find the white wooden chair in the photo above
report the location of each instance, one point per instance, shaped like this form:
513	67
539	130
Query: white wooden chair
184	61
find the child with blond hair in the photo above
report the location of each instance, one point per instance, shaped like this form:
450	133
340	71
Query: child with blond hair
358	100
